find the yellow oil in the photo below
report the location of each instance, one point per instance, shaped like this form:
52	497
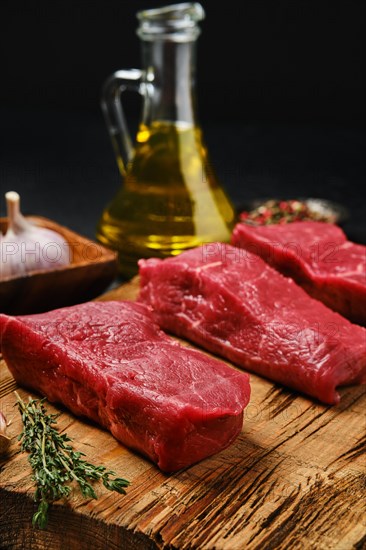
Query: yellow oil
170	199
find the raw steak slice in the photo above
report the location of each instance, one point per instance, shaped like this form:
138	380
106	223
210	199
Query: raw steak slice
232	303
318	257
109	361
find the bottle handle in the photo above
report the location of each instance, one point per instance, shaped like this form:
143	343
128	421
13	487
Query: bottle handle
118	82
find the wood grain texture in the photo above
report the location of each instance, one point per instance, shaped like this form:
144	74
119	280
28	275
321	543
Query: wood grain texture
295	478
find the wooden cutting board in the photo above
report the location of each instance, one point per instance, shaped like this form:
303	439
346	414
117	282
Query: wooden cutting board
294	479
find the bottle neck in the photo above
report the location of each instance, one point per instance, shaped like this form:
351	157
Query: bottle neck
170	81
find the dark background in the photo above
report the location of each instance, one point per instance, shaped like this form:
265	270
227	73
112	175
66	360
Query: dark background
280	89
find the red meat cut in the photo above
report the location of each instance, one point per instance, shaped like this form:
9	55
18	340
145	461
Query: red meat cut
231	302
109	361
318	257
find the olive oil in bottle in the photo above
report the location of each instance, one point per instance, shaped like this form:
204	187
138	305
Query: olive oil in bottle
170	199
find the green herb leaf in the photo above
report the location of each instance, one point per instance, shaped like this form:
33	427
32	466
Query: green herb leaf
54	462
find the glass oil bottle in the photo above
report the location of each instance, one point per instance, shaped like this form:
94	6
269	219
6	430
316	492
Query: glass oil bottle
170	198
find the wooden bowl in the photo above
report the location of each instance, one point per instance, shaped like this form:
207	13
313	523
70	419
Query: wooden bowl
93	267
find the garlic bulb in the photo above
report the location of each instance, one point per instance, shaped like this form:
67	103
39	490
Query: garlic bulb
4	439
27	247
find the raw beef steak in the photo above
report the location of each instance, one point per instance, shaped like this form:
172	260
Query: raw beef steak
317	256
109	361
232	303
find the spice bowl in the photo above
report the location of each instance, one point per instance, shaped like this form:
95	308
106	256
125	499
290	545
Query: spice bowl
269	211
91	269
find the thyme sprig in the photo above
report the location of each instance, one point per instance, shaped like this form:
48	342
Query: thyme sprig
55	463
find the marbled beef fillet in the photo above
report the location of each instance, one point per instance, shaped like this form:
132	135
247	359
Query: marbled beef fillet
318	257
232	303
109	361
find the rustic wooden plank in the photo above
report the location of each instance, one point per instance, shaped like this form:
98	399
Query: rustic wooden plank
295	478
127	291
